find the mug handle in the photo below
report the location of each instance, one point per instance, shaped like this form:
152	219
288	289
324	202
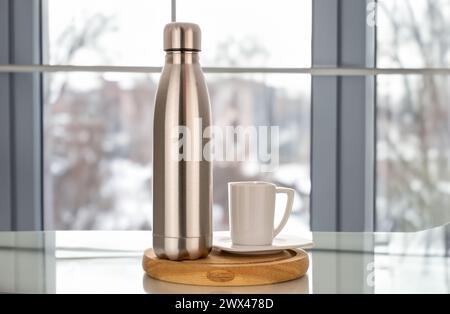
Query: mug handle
287	212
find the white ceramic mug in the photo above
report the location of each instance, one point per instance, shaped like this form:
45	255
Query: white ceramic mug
252	211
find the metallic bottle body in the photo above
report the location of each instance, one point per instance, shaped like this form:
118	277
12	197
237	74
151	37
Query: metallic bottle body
182	187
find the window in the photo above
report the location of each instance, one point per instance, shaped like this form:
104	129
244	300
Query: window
98	149
373	135
261	100
91	33
252	33
413	148
98	125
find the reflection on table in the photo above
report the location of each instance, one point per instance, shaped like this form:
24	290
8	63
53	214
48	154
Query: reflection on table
110	262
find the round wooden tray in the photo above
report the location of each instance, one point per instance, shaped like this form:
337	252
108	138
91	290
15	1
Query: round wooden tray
225	269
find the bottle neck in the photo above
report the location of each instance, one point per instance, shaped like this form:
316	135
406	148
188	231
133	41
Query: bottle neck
182	57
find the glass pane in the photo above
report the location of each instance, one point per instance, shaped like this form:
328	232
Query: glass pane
99	32
413	152
98	150
98	143
252	33
413	33
265	100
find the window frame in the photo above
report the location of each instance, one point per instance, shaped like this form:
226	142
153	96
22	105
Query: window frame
20	117
343	148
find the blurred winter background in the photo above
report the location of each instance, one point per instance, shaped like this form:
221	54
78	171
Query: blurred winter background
98	126
413	120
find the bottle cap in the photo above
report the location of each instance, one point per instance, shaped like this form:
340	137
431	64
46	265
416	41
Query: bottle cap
182	37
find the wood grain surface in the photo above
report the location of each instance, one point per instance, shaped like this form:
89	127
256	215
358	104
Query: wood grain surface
225	269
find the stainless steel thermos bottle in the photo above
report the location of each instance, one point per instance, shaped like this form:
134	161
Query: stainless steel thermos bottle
182	187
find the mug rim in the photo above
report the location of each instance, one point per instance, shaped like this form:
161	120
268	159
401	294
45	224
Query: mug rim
250	183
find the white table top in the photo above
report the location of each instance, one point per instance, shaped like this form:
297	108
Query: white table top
110	262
